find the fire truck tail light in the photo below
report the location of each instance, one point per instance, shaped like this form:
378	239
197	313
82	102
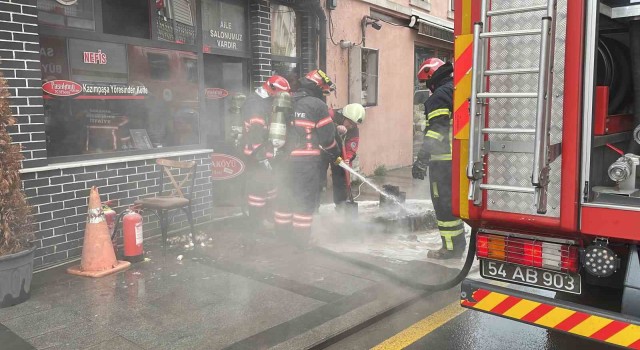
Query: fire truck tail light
528	252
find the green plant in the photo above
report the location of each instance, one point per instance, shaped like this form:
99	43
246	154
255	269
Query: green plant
15	214
381	170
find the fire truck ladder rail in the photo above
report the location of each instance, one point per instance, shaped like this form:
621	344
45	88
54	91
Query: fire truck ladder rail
480	100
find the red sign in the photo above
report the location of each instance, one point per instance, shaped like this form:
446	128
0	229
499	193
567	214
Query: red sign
215	93
94	57
62	88
225	167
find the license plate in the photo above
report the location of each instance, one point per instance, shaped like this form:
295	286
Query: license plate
532	276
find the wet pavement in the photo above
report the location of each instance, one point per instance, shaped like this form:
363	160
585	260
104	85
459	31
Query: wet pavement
233	289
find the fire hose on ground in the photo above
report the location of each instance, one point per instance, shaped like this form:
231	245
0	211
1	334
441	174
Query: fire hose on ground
464	271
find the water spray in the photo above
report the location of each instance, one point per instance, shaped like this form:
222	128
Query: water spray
471	253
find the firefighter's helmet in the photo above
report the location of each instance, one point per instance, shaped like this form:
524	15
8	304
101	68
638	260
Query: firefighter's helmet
354	112
322	80
272	86
428	68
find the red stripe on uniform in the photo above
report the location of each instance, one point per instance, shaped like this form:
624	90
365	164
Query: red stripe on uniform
505	305
538	312
609	330
572	321
304	123
323	122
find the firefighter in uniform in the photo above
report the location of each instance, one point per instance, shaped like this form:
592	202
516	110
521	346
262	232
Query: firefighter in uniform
435	155
260	184
310	133
347	120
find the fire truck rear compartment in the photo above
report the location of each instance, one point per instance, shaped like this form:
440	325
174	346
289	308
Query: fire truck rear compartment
612	176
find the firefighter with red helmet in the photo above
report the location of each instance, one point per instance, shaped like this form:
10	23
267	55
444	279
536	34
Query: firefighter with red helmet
310	133
260	184
435	154
347	136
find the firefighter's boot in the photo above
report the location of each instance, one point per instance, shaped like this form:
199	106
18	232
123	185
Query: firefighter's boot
459	243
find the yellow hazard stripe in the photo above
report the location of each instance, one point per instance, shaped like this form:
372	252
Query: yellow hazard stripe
559	318
466	17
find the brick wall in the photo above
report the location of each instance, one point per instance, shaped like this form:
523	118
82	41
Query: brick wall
59	199
260	19
20	65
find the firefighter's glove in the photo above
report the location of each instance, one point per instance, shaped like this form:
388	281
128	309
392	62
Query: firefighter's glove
419	169
341	129
265	164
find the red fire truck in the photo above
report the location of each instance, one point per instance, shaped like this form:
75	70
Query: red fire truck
545	155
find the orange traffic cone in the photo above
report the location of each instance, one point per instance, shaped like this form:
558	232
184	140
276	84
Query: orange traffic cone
98	257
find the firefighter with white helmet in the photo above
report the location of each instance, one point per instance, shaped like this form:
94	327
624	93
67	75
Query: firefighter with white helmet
435	155
310	134
347	120
258	148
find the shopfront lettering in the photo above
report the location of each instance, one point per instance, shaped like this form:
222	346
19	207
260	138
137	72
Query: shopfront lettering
47	52
224	166
62	88
95	57
51	68
118	90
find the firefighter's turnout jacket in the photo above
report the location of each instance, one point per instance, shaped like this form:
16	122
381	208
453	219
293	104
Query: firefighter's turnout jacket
260	184
309	130
436	151
348	145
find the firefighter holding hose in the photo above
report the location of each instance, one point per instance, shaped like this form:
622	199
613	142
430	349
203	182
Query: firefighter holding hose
260	184
435	155
347	120
309	133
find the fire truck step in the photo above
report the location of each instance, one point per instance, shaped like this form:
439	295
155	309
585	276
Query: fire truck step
516	10
509	33
534	70
508	95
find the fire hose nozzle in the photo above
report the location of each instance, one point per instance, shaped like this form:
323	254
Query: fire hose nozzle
338	161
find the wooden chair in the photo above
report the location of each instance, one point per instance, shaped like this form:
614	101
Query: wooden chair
180	197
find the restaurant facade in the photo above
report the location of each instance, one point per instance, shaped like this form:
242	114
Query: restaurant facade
102	89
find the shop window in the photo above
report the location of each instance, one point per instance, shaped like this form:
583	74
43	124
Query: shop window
114	97
363	76
159	66
284	38
75	15
224	26
191	69
126	17
175	21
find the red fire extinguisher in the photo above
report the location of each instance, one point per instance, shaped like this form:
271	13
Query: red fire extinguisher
110	216
132	236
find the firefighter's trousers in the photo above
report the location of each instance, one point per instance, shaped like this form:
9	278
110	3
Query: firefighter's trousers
299	189
261	191
338	181
451	228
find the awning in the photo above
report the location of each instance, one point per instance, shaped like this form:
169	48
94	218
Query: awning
431	29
